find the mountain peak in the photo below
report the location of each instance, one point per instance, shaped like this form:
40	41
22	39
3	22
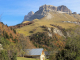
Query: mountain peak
30	13
44	10
48	7
63	9
26	17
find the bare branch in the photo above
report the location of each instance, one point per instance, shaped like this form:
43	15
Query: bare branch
0	17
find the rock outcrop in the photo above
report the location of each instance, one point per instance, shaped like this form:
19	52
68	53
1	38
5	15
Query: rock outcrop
44	11
58	31
26	17
1	48
74	13
54	31
63	9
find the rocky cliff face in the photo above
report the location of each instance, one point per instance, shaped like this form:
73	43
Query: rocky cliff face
44	10
26	17
55	31
74	13
1	48
63	9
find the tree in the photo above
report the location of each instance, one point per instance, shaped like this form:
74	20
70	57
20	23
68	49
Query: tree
0	21
5	34
11	36
14	31
9	51
4	55
0	17
22	53
0	32
71	50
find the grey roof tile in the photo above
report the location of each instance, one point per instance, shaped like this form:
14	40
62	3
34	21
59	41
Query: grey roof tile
37	51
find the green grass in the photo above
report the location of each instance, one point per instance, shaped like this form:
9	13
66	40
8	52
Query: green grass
56	19
78	58
23	58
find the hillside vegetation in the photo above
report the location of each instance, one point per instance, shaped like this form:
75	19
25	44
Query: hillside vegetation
42	40
52	18
54	31
12	43
71	50
8	33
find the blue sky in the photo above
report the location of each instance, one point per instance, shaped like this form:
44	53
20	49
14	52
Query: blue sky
13	11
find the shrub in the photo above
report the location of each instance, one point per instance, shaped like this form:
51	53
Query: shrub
31	31
15	40
14	57
5	34
71	50
11	36
14	31
11	28
4	41
4	55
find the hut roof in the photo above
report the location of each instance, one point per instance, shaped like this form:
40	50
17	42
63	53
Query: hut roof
37	51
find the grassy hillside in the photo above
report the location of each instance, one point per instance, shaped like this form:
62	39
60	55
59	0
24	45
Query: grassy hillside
25	21
52	18
77	16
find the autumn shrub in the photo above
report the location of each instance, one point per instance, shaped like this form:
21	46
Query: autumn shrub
11	28
11	36
41	39
71	50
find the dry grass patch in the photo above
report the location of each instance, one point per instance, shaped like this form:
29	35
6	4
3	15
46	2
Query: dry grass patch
56	19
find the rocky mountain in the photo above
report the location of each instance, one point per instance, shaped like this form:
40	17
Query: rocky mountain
26	17
49	24
44	10
63	9
74	13
1	48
